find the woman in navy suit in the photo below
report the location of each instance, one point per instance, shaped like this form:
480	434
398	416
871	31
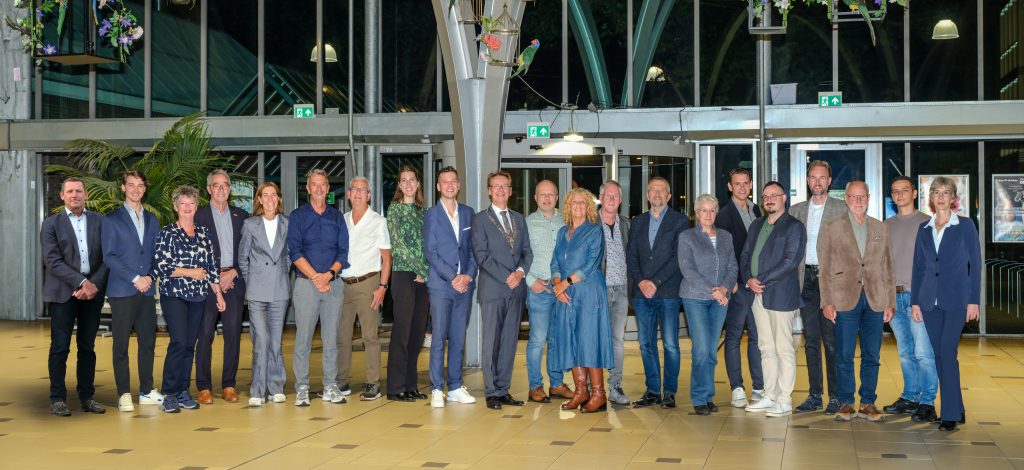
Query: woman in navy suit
946	290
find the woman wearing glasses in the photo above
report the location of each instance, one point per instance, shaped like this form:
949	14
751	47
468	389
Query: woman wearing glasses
946	289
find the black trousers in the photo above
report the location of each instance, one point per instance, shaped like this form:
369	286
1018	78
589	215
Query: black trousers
138	313
231	318
818	332
62	322
411	310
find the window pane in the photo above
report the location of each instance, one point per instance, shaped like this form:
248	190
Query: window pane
175	48
541	21
728	63
804	54
603	87
65	91
1002	291
674	56
336	73
944	70
120	88
1004	51
409	56
872	74
290	32
231	68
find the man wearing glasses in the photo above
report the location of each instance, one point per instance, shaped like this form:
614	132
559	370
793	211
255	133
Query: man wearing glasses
858	294
501	244
814	213
770	266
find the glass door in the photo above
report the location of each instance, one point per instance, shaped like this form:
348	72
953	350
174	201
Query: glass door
849	162
525	177
295	165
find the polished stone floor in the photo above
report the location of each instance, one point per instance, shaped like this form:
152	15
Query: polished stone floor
382	434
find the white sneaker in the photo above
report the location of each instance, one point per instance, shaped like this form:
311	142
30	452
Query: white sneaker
124	403
756	395
461	395
437	399
780	410
333	395
152	398
739	397
762	405
279	398
426	341
302	396
256	401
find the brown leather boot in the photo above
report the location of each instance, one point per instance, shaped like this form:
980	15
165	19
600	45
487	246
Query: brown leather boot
562	390
537	395
598	399
579	377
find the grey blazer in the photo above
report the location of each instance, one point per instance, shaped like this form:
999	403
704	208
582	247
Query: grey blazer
496	258
705	266
264	267
834	209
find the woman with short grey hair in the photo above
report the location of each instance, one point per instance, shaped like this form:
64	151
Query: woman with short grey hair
708	264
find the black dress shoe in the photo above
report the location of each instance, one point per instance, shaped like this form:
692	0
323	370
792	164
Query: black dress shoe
509	400
404	396
713	407
417	395
647	400
669	401
947	426
90	406
494	403
924	414
901	406
60	408
963	419
702	410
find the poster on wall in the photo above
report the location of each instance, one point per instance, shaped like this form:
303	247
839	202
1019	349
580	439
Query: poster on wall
963	189
1008	208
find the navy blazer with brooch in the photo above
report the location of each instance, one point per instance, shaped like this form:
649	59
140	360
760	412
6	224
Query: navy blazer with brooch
204	217
657	263
62	259
125	255
778	264
951	277
446	256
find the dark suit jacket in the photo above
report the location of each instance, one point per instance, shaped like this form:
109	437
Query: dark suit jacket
60	254
658	263
123	253
204	217
729	219
496	258
953	275
777	265
444	254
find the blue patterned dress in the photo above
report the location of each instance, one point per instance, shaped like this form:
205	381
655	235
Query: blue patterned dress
581	330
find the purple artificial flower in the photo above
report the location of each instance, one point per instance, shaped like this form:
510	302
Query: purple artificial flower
49	49
124	40
878	2
39	14
105	27
125	22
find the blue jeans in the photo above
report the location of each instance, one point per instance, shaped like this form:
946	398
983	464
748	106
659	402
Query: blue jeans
920	378
449	312
541	307
649	314
869	324
704	320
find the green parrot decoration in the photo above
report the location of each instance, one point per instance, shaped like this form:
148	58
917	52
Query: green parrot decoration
860	7
526	58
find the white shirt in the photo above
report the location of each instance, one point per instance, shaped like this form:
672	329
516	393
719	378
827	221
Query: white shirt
501	220
79	224
365	240
454	220
814	214
937	234
271	227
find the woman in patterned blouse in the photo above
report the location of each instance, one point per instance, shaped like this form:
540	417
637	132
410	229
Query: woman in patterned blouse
409	281
187	270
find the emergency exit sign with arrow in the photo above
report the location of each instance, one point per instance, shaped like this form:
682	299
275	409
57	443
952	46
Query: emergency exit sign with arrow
830	99
538	130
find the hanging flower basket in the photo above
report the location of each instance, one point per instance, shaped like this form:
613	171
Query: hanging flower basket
868	11
47	30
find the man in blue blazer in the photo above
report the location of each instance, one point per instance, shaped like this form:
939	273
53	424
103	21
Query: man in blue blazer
654	271
770	267
501	245
448	247
73	286
224	224
129	236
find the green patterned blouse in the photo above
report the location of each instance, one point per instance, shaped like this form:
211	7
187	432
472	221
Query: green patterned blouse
405	224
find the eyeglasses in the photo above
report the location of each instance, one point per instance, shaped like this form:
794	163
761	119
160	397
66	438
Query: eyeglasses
358	190
946	193
771	197
220	186
856	197
503	187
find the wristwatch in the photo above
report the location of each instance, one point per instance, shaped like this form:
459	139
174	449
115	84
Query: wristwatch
385	286
569	280
334	274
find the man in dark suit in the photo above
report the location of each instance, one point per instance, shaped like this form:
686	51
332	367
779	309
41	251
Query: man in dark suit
224	223
129	238
501	245
73	285
654	271
735	217
447	245
770	266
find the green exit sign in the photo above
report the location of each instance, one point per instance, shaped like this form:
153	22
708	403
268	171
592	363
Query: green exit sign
538	130
830	99
330	198
304	111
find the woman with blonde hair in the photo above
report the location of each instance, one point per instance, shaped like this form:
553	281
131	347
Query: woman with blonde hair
580	328
264	264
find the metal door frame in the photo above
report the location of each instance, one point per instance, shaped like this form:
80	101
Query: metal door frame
872	171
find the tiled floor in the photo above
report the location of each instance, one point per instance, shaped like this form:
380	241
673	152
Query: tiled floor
382	434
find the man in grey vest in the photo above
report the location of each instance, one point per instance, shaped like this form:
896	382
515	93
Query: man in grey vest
616	237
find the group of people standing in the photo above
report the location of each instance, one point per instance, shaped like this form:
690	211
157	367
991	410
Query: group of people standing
578	269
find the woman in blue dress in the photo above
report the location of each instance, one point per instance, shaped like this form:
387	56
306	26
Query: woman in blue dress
581	328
